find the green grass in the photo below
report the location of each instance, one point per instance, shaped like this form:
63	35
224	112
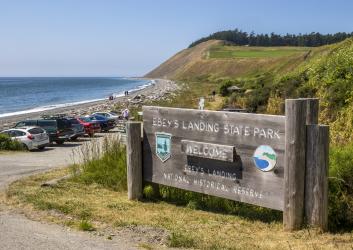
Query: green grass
187	226
221	52
86	226
103	163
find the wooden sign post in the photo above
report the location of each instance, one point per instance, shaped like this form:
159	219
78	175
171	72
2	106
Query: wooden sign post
279	162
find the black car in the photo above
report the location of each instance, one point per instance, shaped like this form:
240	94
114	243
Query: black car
77	127
59	130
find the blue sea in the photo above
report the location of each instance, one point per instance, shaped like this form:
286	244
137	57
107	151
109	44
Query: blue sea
32	94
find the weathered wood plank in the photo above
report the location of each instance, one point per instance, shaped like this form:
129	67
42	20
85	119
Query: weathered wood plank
208	150
134	160
312	110
294	172
240	180
316	196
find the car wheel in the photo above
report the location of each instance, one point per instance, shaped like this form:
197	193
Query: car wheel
25	146
59	142
74	138
41	148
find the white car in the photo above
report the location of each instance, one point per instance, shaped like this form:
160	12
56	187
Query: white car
30	137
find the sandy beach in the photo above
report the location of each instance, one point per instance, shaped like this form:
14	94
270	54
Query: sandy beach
161	88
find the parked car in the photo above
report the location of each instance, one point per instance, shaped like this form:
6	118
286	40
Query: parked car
77	127
30	137
91	127
59	131
69	122
110	115
105	123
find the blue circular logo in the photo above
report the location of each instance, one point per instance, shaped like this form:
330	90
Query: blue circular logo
265	158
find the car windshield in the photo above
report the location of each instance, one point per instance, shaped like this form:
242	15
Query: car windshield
26	123
86	119
35	131
113	113
98	117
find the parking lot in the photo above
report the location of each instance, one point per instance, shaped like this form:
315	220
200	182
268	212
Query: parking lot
14	165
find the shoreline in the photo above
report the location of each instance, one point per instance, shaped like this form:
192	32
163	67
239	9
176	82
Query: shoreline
158	90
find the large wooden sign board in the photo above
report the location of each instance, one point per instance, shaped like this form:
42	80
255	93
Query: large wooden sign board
238	156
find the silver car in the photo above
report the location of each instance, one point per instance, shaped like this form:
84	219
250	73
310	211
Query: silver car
30	137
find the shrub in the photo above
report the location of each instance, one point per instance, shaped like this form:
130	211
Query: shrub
223	90
275	105
6	143
103	163
86	226
148	192
341	188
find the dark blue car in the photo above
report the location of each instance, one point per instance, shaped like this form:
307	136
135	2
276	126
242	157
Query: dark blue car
105	123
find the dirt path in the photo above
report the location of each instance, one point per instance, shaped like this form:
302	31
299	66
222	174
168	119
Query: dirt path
18	232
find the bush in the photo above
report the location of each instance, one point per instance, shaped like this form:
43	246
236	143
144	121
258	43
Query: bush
103	163
6	143
341	188
223	90
86	226
148	192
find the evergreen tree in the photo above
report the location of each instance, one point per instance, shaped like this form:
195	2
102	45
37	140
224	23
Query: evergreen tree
243	38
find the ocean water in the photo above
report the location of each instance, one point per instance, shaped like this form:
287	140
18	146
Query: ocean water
31	94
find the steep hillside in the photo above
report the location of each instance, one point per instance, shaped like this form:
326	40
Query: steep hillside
268	75
179	63
216	58
328	76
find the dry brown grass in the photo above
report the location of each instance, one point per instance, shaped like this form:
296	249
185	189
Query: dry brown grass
195	62
72	202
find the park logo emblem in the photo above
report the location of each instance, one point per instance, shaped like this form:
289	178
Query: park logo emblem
265	158
163	145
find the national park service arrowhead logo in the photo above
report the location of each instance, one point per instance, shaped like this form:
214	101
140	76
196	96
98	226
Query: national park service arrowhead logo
163	145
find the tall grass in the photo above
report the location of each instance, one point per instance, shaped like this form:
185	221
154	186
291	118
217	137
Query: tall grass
341	188
102	162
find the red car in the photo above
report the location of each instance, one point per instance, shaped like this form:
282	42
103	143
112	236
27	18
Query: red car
91	127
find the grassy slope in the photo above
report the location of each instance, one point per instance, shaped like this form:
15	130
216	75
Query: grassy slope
221	51
281	72
214	59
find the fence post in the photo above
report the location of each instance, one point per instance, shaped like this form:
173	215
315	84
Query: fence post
316	188
294	170
134	160
312	110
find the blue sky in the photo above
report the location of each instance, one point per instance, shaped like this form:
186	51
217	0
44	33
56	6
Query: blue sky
129	38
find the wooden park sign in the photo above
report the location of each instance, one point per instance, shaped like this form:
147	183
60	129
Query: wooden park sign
265	160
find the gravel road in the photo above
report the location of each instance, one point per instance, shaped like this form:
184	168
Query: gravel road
18	232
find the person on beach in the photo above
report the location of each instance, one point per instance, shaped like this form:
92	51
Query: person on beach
125	114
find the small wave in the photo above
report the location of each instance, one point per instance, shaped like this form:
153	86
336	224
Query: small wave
48	107
63	105
137	88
